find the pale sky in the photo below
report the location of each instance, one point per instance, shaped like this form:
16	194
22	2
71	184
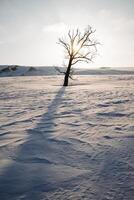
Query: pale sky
29	30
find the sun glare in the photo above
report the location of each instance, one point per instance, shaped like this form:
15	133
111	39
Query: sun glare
76	47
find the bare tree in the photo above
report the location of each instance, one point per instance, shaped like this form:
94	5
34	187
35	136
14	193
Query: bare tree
79	47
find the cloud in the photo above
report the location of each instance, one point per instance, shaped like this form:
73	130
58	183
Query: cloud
2	42
61	28
56	28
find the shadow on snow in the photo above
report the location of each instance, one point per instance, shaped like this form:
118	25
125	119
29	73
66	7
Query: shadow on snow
27	175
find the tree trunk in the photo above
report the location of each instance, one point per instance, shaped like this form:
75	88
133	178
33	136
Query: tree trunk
66	78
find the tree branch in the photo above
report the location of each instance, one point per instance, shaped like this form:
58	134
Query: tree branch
61	72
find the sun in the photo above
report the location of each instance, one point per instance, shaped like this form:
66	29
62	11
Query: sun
76	47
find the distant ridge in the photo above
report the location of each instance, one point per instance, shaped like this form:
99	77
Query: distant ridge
16	70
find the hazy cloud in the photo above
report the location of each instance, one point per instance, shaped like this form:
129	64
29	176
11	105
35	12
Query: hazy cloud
58	28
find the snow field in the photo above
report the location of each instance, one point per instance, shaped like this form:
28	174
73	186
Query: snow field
67	143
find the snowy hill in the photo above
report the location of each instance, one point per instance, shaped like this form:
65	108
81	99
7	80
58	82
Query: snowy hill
15	70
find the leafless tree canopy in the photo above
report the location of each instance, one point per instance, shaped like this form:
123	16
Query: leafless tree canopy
79	47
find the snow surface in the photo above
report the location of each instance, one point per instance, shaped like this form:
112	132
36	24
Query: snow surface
60	143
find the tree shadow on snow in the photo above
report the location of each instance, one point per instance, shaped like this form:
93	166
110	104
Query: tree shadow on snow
32	171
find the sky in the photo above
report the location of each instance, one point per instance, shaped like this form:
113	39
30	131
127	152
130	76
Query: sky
29	30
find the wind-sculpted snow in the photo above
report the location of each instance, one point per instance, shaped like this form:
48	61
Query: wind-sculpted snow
71	143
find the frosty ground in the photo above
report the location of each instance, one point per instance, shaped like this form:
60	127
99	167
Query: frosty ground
71	143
